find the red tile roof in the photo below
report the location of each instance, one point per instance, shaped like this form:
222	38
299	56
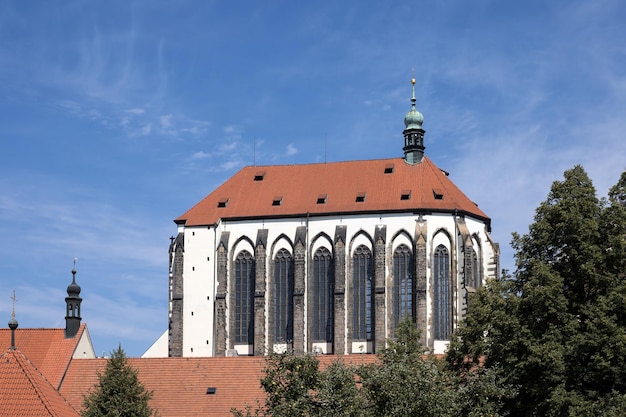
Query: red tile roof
180	384
48	349
25	392
332	188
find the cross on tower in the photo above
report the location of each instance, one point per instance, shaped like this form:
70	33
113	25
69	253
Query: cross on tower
14	300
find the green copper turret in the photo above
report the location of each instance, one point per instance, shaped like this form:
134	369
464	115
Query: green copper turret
413	132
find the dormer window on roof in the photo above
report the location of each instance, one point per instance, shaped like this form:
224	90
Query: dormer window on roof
360	197
277	201
222	203
405	195
321	199
389	168
259	176
438	193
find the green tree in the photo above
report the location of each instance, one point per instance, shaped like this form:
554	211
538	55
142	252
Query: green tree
296	386
405	382
556	329
118	393
613	229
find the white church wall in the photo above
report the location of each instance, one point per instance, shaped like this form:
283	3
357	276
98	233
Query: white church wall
199	291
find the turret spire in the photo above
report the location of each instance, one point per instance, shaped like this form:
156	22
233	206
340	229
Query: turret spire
413	132
72	303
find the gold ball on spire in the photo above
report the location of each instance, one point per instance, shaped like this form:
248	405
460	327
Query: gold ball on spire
413	81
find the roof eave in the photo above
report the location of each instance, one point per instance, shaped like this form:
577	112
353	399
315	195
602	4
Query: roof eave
415	211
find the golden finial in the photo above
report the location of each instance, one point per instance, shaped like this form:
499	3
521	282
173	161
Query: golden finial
413	75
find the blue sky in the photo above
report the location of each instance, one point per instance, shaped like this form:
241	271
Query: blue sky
118	116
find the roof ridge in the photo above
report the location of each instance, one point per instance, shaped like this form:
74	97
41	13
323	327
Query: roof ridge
322	163
26	369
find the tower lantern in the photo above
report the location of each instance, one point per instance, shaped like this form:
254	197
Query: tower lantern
413	132
72	303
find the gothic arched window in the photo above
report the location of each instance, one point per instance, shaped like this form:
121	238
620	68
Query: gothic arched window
476	270
403	283
322	310
362	294
442	301
283	297
244	298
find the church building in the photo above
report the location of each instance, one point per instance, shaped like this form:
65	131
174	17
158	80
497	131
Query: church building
327	258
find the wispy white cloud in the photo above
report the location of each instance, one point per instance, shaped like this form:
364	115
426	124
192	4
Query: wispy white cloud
232	130
146	129
136	111
201	155
229	165
291	150
165	121
227	147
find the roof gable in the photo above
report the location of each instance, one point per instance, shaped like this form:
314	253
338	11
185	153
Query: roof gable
48	349
26	392
381	185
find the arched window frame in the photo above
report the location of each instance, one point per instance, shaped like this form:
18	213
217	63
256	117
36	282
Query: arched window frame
322	297
243	332
283	297
442	297
403	283
362	275
476	270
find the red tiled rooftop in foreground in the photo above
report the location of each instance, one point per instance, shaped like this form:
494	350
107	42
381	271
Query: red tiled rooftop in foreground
48	349
180	384
25	392
385	185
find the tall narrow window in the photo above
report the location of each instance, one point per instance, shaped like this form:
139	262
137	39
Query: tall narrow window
322	309
403	283
362	294
441	313
476	270
244	298
283	297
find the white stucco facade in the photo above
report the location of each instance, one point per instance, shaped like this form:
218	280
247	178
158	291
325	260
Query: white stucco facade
200	269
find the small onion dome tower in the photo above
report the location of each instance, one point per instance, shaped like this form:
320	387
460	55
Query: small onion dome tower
72	302
413	133
13	323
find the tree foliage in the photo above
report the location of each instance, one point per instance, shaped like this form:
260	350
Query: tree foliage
405	382
296	386
118	393
556	329
402	382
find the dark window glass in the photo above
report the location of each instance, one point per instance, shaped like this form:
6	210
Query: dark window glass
476	270
322	309
362	294
403	283
283	297
441	313
244	298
